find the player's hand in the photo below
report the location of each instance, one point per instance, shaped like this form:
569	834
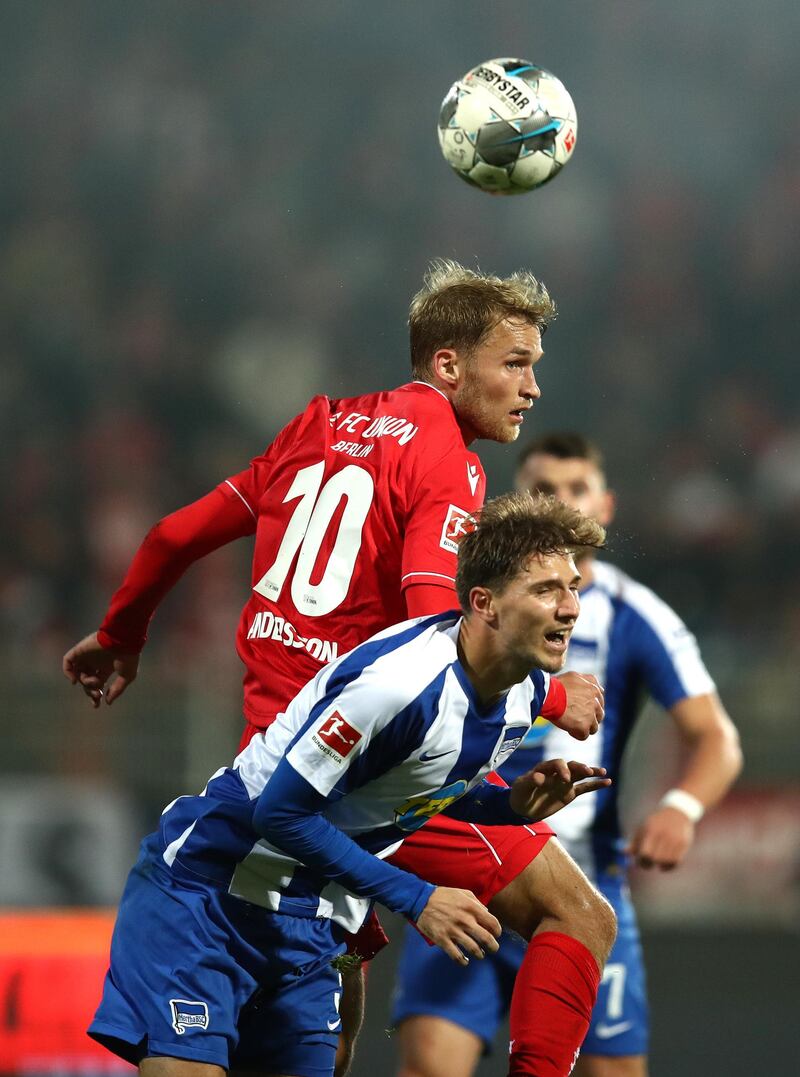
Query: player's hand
662	840
457	922
585	705
90	665
553	784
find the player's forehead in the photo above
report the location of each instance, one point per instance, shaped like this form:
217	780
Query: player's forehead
543	467
558	567
512	333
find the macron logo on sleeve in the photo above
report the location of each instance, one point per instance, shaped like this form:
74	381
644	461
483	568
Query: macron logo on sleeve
336	738
472	477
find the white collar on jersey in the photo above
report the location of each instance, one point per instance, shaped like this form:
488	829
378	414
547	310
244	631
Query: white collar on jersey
429	386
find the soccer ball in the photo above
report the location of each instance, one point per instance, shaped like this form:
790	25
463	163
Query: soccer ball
507	126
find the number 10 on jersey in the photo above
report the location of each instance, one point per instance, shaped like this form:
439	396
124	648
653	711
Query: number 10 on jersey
306	531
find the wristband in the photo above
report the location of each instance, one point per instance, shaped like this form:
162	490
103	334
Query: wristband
683	802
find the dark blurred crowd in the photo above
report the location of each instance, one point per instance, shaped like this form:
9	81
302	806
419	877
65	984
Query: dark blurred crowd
209	214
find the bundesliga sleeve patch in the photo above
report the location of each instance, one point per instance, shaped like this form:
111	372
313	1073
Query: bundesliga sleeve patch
456	524
336	738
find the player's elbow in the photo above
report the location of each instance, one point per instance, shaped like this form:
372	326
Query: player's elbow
723	736
165	537
733	750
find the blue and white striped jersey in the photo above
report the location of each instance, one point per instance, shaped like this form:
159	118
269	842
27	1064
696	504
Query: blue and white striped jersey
383	738
635	645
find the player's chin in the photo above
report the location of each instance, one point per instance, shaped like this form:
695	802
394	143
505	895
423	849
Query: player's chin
549	663
507	432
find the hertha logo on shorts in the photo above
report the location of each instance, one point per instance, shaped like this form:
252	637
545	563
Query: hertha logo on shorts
188	1014
457	523
336	737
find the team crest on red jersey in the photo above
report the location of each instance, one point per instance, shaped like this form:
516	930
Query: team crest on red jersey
336	737
457	523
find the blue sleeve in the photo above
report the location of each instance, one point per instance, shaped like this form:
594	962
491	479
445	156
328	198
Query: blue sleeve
541	686
656	663
486	803
288	815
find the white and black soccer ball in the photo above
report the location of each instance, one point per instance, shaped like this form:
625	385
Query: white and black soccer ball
508	126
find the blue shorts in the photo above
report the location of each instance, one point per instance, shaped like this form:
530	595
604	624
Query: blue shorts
478	997
200	975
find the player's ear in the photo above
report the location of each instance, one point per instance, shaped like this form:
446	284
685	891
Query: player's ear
447	367
481	604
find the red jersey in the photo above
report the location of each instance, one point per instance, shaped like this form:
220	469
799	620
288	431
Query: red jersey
353	501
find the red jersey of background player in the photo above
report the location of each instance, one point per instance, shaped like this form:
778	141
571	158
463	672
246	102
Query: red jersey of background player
354	501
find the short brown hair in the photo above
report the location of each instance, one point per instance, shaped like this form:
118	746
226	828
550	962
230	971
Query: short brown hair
564	445
457	307
511	529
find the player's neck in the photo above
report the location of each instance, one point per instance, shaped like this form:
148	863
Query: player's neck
468	433
490	672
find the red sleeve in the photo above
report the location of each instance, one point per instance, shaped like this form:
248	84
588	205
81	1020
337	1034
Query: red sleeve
167	551
440	506
423	599
555	702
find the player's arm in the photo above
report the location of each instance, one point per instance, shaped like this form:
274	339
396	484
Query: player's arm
167	551
427	599
289	815
544	790
713	760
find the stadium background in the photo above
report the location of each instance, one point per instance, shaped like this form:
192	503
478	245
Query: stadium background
210	212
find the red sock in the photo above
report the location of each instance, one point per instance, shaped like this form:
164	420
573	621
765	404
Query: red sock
553	997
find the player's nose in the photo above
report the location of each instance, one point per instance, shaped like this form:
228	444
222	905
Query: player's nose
570	608
530	387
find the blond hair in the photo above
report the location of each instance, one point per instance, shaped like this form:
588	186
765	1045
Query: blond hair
511	529
456	307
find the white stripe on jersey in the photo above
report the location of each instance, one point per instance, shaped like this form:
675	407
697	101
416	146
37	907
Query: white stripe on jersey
241	498
174	847
440	575
262	876
372	701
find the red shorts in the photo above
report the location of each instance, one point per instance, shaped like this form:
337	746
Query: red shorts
483	859
446	852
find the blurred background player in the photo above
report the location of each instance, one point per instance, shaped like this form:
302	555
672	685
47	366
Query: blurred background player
357	507
634	644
